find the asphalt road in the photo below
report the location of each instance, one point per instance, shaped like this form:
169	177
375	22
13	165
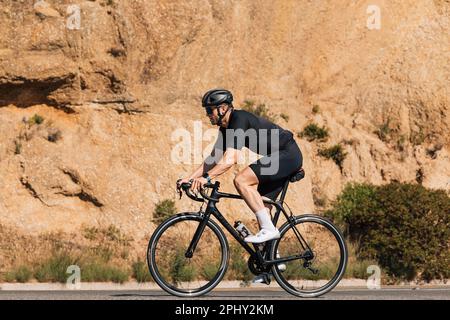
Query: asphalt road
234	294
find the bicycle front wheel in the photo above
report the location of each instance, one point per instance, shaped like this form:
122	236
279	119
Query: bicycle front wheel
178	274
324	254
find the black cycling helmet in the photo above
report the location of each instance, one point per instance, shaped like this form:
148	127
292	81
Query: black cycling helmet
216	97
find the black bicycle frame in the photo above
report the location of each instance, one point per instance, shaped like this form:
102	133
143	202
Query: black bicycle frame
211	209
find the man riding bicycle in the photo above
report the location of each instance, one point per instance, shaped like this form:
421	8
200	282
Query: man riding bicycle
295	258
281	157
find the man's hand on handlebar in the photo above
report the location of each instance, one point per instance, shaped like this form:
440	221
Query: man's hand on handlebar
192	187
182	181
197	184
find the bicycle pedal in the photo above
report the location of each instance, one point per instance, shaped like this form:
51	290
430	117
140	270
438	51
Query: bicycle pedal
264	278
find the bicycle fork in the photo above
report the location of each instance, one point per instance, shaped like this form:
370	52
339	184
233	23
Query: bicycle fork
198	233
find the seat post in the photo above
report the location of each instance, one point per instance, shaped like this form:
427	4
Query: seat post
283	193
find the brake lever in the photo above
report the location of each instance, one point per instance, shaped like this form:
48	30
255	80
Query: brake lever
180	192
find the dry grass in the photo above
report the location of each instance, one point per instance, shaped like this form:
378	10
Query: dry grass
99	252
103	254
357	268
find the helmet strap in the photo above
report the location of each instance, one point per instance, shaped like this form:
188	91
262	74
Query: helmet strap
219	121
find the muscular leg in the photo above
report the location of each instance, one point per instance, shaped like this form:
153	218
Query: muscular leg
246	183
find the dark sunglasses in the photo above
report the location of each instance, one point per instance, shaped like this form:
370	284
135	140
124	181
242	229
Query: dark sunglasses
209	110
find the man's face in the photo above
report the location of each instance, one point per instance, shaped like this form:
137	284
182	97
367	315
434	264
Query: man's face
213	113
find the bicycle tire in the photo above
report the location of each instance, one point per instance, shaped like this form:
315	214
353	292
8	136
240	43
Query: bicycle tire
152	264
284	283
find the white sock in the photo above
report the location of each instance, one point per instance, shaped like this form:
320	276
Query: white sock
264	219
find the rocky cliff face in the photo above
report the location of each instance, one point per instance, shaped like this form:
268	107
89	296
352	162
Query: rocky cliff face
113	84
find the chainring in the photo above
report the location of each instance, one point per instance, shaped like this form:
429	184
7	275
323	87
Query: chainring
255	267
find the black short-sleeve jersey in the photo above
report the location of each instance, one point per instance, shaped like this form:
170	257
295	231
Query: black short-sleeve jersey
256	133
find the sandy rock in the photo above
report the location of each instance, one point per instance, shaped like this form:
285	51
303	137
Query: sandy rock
43	10
119	88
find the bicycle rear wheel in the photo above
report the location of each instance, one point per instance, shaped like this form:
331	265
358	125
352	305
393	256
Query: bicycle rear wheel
324	251
172	270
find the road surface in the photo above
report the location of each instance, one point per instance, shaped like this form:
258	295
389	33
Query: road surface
232	294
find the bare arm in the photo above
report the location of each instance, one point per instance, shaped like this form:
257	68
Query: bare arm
213	165
228	160
204	167
210	162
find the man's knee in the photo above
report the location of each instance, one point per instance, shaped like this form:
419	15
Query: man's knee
243	180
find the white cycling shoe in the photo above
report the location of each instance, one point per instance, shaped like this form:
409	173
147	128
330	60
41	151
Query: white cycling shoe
263	235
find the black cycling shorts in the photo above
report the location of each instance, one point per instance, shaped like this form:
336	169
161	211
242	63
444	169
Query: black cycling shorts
275	169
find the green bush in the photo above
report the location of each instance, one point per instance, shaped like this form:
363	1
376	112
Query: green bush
405	227
384	131
163	210
296	270
358	269
261	110
238	264
112	233
36	119
210	269
102	252
22	274
336	153
98	271
54	269
95	269
140	272
313	132
181	270
417	137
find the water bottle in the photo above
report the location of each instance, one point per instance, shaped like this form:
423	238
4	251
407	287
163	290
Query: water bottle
242	229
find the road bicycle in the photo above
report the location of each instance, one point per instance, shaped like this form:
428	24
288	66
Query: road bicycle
188	254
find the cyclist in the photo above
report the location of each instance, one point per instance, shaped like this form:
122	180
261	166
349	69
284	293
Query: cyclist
281	157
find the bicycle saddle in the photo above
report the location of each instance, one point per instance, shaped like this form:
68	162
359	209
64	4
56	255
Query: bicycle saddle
297	176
